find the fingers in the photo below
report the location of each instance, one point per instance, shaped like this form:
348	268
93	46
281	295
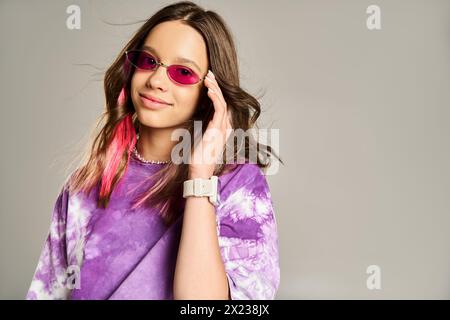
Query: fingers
211	82
218	109
221	121
218	100
222	116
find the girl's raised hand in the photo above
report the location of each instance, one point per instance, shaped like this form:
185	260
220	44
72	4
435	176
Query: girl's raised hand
207	152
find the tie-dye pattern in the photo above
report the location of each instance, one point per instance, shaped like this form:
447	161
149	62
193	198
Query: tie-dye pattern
248	237
120	253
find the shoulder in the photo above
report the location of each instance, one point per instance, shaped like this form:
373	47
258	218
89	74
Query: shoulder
244	192
248	175
69	206
77	208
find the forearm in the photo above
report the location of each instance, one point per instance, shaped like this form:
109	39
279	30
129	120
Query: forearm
199	271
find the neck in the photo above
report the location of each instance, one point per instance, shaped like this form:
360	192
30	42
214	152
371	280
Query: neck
155	143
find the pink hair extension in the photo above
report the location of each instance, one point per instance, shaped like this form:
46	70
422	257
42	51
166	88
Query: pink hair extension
124	139
121	98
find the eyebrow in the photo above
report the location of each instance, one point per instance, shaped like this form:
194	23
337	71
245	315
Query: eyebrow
178	59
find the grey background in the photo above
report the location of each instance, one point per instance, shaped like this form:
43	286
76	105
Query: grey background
363	118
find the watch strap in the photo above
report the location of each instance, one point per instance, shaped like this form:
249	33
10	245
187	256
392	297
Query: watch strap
199	187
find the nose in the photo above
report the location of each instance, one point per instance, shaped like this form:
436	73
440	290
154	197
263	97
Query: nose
158	78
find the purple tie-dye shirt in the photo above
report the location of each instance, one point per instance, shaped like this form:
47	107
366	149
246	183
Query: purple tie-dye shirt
120	253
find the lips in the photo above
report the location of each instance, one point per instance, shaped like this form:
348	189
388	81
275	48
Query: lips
151	104
149	97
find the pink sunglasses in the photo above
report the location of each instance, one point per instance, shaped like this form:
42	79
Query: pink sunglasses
177	73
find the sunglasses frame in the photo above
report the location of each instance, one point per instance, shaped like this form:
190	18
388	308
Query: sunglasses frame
159	63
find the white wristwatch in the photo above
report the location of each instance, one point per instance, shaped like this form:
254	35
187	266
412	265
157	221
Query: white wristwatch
199	187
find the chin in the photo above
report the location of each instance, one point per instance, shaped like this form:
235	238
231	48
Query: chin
153	120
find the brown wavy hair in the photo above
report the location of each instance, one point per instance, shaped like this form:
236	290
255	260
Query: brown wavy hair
107	155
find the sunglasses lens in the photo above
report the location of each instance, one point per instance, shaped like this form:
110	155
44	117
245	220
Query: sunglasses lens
182	75
145	61
142	60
